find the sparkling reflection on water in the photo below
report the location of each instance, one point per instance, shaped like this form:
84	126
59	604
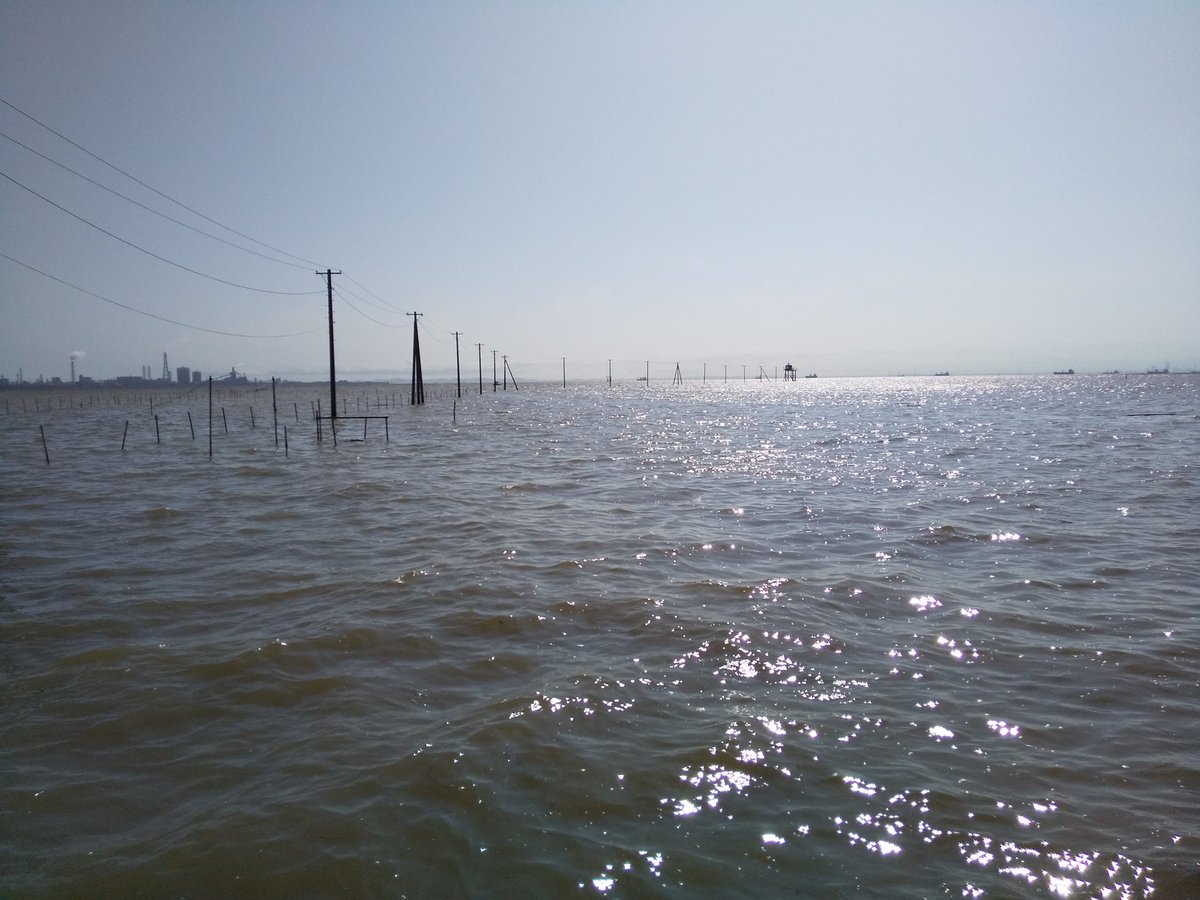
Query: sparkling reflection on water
903	636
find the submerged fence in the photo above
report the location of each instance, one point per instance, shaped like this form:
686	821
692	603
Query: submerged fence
295	416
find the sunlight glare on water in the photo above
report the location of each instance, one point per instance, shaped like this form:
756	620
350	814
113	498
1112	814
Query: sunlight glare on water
904	636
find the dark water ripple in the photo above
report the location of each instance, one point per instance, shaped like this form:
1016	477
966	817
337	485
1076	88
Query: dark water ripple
908	637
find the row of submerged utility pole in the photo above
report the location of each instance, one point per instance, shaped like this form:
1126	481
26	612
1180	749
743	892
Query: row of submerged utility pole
418	378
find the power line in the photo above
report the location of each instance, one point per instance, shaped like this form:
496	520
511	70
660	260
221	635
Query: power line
150	209
152	189
363	314
151	315
342	292
376	296
151	252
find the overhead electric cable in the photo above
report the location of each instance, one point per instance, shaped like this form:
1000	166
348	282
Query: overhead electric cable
364	315
150	314
150	209
342	291
154	190
373	294
151	252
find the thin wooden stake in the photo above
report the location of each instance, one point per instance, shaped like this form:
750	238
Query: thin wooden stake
45	449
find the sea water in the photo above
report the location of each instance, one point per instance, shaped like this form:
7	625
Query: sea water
892	637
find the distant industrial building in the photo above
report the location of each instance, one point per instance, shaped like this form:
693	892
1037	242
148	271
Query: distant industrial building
183	375
196	379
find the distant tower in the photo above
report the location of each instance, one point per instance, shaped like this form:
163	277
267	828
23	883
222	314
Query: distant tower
72	370
166	369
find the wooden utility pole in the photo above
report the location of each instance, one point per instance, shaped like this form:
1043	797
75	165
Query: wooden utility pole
564	359
480	348
418	379
495	383
457	365
329	273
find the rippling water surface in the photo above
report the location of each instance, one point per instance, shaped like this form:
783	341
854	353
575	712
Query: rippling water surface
898	637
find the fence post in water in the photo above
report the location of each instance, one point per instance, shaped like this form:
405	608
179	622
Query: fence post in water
191	427
225	419
274	411
252	425
454	414
45	449
125	434
285	442
157	435
296	410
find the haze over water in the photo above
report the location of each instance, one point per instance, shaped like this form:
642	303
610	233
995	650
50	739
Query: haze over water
891	637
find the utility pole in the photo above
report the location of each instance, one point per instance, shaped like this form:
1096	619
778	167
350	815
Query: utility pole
564	359
418	380
457	365
329	273
495	383
505	358
610	373
480	348
678	379
647	373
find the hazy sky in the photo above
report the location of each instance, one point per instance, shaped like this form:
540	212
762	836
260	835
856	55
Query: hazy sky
874	188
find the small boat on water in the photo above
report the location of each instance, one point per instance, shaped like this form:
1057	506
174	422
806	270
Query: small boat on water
1066	372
